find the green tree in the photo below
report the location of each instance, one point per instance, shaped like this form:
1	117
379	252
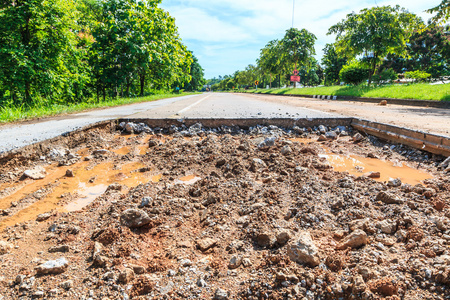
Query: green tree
443	12
248	76
375	33
197	76
270	60
298	47
333	64
38	53
429	51
137	40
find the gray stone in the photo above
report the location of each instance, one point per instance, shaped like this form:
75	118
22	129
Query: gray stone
43	217
286	150
322	129
67	285
257	164
201	283
235	262
69	173
220	295
53	267
331	135
246	262
146	201
134	218
387	226
394	182
36	173
268	142
129	128
303	250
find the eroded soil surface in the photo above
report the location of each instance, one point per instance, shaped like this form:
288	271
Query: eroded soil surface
224	214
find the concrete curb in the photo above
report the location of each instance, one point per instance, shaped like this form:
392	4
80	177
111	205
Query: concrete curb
407	102
433	143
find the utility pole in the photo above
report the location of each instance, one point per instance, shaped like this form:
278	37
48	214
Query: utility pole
293	11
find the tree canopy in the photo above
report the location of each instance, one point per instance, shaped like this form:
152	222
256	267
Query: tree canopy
74	50
375	33
442	12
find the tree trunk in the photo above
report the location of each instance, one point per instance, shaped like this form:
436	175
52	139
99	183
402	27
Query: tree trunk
104	93
142	82
27	91
129	83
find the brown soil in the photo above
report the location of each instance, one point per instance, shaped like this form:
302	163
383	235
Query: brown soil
211	187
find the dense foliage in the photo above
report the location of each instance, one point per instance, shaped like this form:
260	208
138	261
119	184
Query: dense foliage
354	73
375	33
70	51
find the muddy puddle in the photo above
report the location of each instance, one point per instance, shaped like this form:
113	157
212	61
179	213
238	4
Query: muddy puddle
358	165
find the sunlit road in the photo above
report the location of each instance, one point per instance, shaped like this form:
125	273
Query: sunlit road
224	105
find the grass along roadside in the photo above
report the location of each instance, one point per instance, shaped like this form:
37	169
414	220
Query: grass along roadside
39	110
420	91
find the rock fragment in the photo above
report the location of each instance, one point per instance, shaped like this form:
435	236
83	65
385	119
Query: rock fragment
126	276
235	262
43	217
355	239
5	247
52	267
62	248
220	295
265	239
134	218
388	198
206	243
357	137
36	173
302	249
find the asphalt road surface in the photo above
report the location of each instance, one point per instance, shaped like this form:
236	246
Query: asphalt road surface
221	105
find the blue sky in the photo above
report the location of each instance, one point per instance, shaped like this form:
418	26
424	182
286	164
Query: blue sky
227	35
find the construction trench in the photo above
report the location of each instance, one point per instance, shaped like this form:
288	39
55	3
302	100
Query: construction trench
227	209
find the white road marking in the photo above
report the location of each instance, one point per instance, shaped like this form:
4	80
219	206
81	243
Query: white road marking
192	105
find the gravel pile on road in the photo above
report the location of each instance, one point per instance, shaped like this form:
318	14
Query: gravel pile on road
267	218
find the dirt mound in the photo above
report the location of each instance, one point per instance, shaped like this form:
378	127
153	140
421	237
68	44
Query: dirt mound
221	209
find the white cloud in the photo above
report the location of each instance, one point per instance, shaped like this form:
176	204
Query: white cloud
227	35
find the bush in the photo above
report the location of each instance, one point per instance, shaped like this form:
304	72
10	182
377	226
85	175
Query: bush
417	75
385	76
354	73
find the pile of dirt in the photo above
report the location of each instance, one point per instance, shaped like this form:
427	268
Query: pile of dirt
262	216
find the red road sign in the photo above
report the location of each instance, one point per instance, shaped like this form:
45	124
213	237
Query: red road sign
295	78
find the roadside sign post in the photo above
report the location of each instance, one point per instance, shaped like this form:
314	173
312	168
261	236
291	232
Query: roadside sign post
295	77
256	84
